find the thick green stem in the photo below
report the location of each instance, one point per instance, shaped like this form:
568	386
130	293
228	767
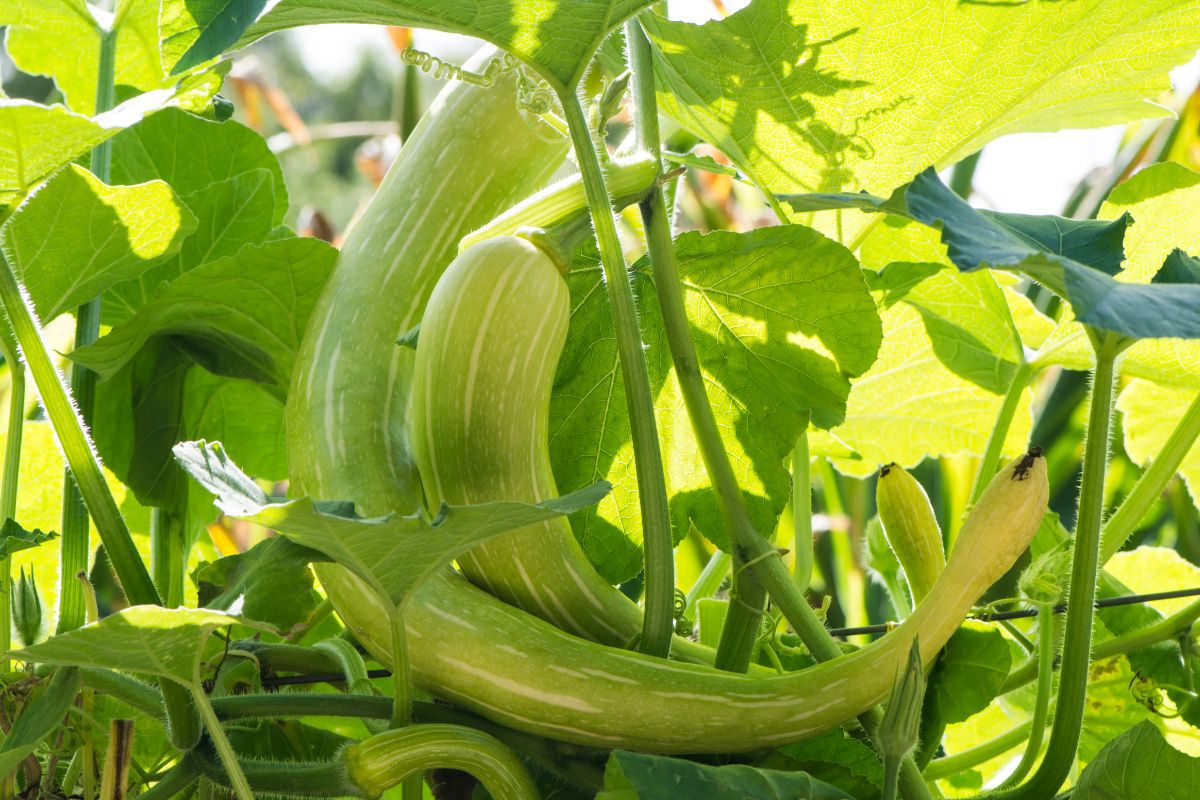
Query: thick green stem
166	553
401	677
1150	485
229	759
1041	705
710	579
659	619
172	782
979	754
79	452
802	514
351	662
990	462
10	482
276	779
76	550
383	761
1077	642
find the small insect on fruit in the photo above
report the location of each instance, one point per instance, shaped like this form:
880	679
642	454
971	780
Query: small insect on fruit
1021	471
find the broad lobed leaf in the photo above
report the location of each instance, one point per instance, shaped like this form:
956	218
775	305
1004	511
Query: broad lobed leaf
557	39
829	96
394	553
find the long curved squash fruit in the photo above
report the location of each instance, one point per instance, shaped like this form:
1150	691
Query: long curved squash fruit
490	339
346	407
470	648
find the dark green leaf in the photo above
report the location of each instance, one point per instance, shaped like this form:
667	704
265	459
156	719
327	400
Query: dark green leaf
76	237
14	538
1045	249
271	580
241	316
196	31
834	758
970	671
393	554
1139	765
637	776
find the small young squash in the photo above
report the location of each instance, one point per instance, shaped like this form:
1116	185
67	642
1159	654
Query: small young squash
478	426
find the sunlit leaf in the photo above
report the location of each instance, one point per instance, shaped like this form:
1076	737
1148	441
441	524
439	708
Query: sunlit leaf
149	640
1139	765
61	39
76	237
831	96
393	554
781	319
556	38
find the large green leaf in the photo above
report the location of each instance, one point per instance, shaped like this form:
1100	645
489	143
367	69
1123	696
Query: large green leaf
1139	765
149	640
14	538
242	316
556	38
76	237
829	95
393	554
970	671
781	319
195	31
61	39
638	776
191	153
1077	259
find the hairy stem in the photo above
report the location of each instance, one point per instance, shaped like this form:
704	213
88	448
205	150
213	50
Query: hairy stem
979	754
75	524
79	452
1077	642
10	481
658	545
229	759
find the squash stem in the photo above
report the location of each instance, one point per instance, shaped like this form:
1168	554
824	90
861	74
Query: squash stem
78	450
1150	485
989	464
657	542
1041	706
1072	688
768	567
10	481
76	528
802	557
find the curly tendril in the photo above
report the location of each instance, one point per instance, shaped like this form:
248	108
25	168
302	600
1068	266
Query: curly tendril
443	70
